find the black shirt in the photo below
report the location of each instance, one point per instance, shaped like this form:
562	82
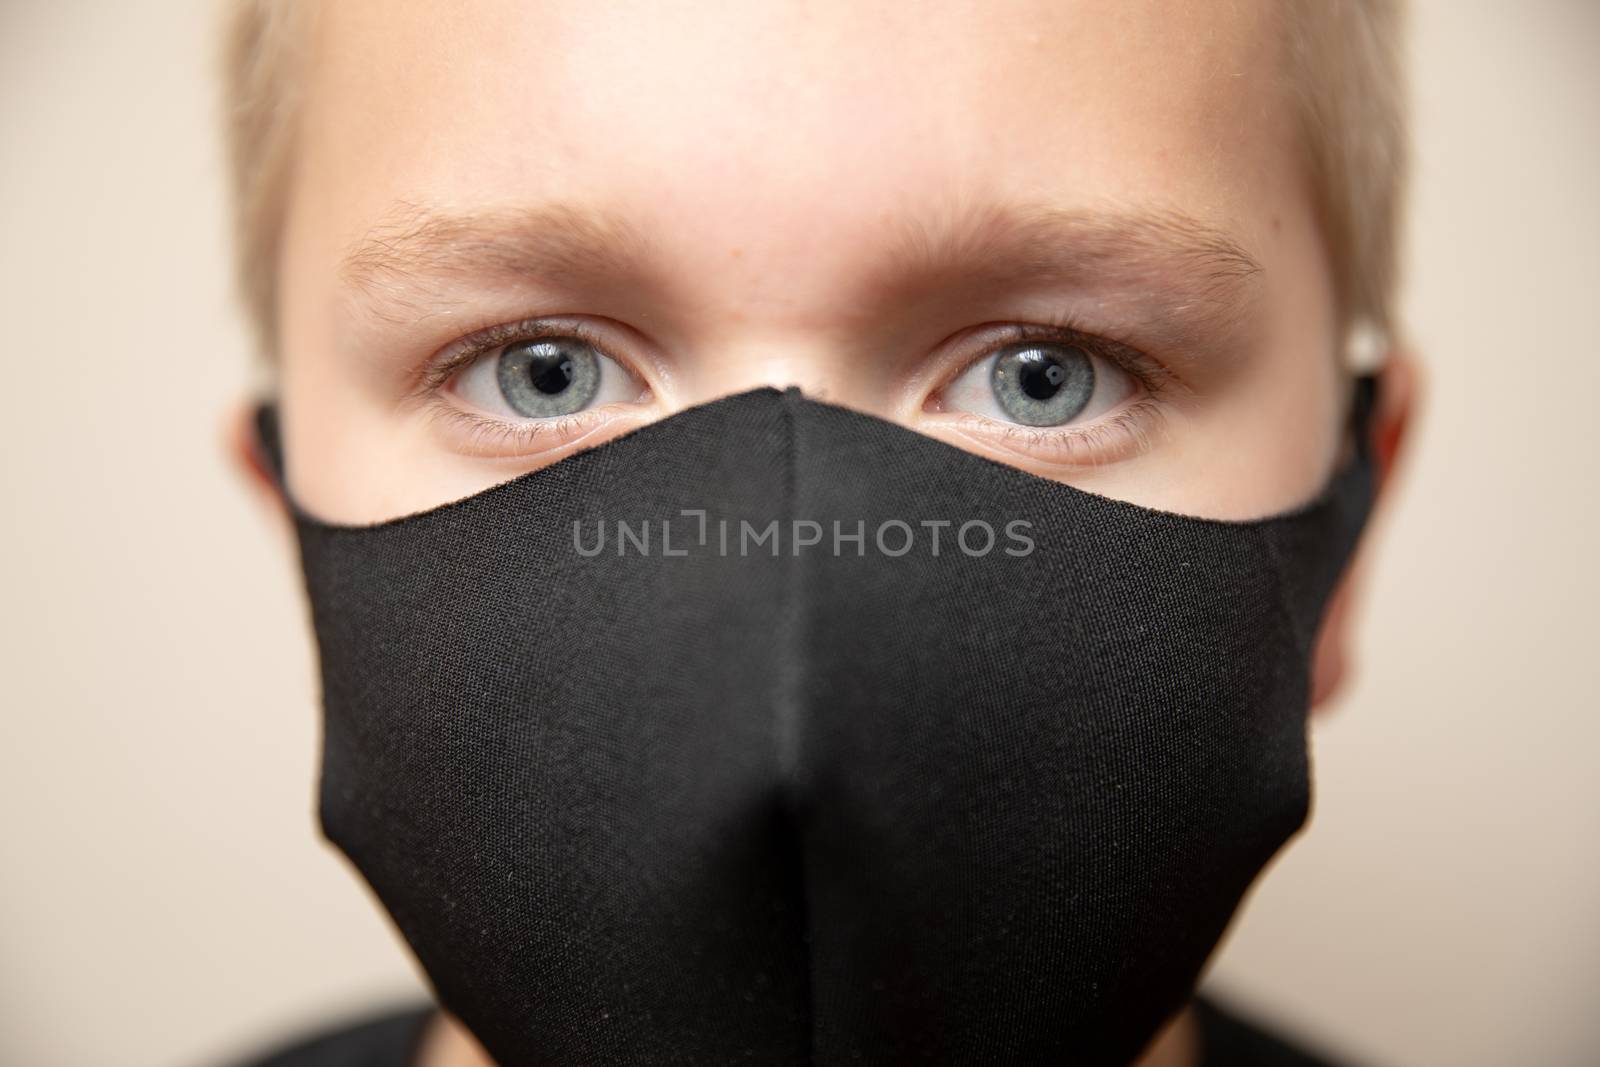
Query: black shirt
392	1037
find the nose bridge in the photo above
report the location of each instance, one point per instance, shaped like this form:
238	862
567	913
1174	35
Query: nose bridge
815	359
756	305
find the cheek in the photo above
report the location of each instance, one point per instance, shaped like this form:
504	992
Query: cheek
1304	359
348	458
1273	436
1259	432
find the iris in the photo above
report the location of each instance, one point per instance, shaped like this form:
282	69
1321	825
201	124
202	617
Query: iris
1043	384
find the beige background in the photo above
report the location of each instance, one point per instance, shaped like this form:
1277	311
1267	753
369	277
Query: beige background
165	899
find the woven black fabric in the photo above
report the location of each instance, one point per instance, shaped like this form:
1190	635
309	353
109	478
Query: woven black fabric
821	806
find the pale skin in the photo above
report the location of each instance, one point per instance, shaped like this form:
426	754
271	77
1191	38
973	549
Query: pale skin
858	199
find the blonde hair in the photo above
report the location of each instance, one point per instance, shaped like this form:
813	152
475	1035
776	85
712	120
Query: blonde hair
263	53
1346	74
1343	64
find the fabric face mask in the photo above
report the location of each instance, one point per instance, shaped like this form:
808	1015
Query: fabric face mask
865	789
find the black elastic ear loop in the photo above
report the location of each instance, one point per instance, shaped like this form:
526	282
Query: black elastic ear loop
269	443
1363	403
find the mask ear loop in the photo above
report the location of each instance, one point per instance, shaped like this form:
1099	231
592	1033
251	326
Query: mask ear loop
1363	402
1365	349
268	443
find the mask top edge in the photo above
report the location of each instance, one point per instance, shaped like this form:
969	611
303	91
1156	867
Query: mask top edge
269	443
1354	472
1356	469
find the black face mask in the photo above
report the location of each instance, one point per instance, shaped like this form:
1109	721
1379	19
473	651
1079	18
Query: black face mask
744	787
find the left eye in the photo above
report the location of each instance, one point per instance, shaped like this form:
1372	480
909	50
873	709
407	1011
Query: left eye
1039	383
543	378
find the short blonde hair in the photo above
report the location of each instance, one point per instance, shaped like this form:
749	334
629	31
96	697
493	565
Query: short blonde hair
1342	61
263	52
1347	76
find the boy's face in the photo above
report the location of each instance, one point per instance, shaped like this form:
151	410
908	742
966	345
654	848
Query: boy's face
869	201
1073	236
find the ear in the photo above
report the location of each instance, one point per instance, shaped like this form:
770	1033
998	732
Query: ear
1399	387
243	453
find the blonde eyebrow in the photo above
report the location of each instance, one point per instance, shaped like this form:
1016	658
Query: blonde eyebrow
1067	245
557	241
1162	261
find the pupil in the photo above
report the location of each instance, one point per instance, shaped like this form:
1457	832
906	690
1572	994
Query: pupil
1041	380
550	373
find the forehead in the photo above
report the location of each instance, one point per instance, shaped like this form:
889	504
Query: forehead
784	132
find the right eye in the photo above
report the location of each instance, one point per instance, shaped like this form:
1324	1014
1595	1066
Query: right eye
1043	383
544	377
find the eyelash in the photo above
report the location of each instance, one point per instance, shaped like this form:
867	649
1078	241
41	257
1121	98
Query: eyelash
1132	424
485	431
1155	378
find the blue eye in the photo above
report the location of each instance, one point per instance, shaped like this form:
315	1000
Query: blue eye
1040	383
544	377
547	377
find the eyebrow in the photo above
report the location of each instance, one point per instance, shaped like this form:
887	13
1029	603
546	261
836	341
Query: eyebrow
1163	261
559	241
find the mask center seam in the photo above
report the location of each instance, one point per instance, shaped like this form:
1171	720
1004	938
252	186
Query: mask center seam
791	687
